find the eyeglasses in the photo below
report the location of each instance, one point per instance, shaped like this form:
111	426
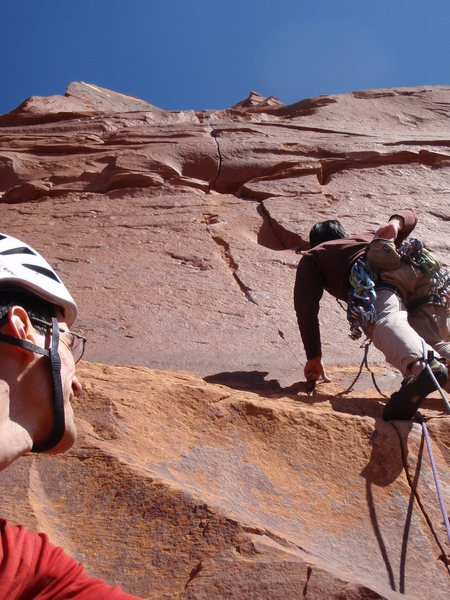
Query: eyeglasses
75	342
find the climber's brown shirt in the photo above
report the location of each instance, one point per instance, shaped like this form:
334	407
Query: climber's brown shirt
327	267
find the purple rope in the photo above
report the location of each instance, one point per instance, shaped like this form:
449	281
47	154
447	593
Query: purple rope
435	475
438	387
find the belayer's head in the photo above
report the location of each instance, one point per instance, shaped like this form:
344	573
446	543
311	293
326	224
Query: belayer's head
325	231
38	351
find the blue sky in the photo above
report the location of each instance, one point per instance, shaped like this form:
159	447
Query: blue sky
182	54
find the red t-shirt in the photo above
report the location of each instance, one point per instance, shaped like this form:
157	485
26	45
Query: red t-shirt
31	568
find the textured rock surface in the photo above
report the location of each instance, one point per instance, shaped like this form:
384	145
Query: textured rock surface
176	232
180	488
191	219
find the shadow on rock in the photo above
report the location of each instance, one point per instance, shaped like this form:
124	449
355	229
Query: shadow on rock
363	407
255	381
387	460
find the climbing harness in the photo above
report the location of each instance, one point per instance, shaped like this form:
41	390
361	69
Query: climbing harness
361	313
360	309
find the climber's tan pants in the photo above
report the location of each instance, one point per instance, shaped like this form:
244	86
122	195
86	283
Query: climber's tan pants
392	333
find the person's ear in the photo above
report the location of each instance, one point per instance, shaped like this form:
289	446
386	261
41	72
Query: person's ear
19	325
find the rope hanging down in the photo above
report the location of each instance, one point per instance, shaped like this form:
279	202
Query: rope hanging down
364	363
435	475
427	358
427	439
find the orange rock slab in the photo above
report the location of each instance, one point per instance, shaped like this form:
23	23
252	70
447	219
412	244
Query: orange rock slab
182	488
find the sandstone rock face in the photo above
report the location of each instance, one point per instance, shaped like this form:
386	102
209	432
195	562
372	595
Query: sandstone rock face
176	233
181	488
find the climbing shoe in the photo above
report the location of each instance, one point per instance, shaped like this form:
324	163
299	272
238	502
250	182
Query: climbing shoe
404	403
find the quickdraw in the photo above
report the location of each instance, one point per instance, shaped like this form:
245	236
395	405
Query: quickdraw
360	309
414	252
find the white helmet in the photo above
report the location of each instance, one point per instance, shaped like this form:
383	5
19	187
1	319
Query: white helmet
23	266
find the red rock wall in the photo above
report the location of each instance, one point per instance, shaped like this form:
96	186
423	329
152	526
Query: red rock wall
176	233
176	230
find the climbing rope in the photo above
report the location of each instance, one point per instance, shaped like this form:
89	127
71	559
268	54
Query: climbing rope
427	357
427	439
364	363
435	475
427	360
417	497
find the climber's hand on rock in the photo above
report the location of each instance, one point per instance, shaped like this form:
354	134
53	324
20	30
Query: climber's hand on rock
314	370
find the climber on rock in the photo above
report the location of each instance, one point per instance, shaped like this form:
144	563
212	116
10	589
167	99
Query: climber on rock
367	272
38	352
